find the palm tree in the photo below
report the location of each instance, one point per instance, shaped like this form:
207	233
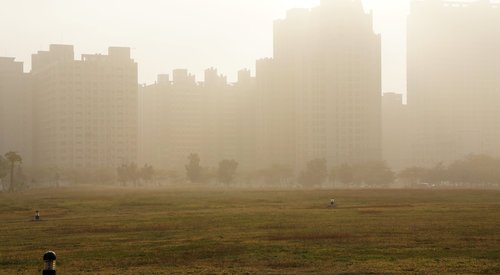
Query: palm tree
4	171
13	157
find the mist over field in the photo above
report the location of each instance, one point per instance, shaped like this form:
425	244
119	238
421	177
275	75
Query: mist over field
238	136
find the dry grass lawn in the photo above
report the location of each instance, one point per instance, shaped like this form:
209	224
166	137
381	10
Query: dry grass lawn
160	231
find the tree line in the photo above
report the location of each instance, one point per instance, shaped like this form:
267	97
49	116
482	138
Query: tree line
315	174
474	170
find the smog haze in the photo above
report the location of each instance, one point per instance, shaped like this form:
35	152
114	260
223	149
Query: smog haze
193	34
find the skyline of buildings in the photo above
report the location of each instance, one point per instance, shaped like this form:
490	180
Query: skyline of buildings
319	96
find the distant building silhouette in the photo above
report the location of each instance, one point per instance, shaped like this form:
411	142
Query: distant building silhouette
171	113
210	118
15	110
320	96
396	131
453	80
85	113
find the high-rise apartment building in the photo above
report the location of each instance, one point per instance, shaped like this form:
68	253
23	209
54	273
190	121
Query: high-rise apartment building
453	79
213	119
229	120
320	96
15	110
171	120
86	111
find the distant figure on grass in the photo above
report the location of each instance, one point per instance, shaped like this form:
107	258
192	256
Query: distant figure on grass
37	216
332	203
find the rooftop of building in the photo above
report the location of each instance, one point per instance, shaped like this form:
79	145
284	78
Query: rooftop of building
10	65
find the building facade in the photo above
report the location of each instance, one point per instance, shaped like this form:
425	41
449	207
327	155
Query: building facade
453	80
85	111
397	131
16	117
320	95
171	120
213	119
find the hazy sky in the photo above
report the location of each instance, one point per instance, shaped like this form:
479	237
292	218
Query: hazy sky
168	34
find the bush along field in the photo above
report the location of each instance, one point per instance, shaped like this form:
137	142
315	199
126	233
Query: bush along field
161	231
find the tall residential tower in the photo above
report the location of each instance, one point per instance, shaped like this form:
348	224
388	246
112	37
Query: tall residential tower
320	96
15	110
85	110
213	119
454	79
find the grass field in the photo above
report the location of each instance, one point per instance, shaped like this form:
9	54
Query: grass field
133	231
